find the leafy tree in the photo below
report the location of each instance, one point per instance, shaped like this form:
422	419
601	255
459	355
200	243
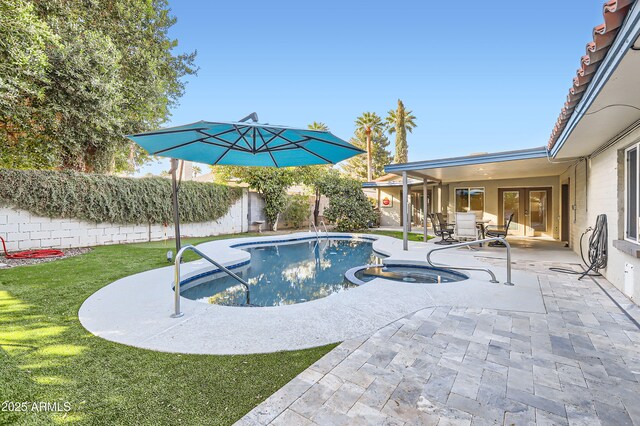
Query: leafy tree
197	171
399	122
312	176
96	71
318	125
357	166
297	210
349	209
370	125
270	182
24	68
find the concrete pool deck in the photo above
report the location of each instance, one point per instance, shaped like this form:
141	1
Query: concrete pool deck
135	310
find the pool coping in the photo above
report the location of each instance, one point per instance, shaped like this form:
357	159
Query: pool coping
135	310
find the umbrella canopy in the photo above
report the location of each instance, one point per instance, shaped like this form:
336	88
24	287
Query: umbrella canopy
242	144
246	144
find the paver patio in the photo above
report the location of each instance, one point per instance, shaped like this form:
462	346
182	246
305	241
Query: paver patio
578	364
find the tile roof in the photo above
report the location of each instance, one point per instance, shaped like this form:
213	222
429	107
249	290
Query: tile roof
614	12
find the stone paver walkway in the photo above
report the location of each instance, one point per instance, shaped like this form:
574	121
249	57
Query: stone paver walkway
578	364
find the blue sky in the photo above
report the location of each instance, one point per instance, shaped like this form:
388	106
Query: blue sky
479	76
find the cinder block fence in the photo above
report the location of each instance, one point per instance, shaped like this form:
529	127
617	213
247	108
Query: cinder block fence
24	231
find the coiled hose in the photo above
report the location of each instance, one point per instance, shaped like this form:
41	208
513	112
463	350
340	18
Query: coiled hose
31	254
597	252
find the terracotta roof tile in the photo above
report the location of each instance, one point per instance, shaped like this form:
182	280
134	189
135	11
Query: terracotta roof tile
614	12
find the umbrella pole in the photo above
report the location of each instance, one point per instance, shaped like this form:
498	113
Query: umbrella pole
176	213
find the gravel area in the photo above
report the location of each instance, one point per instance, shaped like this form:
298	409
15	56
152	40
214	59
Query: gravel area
10	263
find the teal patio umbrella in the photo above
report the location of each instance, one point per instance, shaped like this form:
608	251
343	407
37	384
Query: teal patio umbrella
242	143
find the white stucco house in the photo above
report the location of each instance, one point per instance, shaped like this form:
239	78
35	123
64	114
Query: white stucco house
590	165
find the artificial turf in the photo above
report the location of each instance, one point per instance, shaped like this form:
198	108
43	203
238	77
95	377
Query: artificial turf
411	236
47	356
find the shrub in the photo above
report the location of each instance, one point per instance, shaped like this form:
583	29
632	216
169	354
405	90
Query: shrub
101	198
349	209
297	211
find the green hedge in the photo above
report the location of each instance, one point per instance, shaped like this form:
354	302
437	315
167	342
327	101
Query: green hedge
101	198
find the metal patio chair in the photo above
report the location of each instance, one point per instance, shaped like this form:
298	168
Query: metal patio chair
442	229
498	231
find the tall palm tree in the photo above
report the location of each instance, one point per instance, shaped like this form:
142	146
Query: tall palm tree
318	125
399	122
369	124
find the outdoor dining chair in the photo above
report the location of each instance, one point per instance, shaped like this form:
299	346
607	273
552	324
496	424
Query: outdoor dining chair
442	229
499	231
466	227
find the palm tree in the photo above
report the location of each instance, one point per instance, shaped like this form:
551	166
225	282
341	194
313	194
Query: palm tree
318	125
369	124
399	122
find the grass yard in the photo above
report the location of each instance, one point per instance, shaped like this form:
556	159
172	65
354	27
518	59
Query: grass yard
46	355
412	236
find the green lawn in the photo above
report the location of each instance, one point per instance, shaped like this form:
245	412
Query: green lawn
46	355
398	234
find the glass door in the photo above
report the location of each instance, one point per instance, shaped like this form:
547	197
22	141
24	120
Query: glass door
531	208
511	204
538	211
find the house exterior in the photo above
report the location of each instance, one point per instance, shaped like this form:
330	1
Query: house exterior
590	166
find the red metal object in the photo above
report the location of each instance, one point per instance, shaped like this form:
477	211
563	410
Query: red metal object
31	254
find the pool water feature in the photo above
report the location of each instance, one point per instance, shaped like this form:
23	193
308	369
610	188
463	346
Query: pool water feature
288	273
405	273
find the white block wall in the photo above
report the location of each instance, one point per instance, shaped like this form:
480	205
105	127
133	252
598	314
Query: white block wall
24	231
597	186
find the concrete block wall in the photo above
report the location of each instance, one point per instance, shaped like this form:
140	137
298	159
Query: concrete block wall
25	231
596	187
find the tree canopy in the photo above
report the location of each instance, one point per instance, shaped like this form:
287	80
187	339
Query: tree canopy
76	76
399	122
370	125
356	166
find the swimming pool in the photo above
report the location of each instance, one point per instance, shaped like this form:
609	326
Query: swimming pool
405	273
288	273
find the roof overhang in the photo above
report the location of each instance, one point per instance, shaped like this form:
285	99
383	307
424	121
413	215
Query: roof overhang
525	163
611	102
411	182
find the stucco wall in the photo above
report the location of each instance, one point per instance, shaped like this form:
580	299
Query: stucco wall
491	207
390	216
597	186
23	230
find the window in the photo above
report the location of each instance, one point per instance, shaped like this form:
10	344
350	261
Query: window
469	199
631	193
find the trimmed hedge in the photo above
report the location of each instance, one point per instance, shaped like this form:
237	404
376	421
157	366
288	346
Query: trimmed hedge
101	198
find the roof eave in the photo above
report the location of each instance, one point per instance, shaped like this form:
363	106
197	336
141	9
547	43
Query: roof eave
626	36
496	157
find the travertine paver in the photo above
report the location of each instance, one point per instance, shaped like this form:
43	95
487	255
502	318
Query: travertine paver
578	364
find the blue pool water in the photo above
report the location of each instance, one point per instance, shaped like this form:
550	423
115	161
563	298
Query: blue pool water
284	274
410	274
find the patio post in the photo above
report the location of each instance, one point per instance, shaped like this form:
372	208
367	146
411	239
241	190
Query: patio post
176	213
407	213
425	206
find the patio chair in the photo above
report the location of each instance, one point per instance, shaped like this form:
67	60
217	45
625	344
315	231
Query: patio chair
466	228
442	229
498	231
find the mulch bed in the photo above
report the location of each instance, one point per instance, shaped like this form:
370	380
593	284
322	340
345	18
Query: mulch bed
10	263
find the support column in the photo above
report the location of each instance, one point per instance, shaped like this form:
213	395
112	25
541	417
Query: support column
425	208
176	209
407	212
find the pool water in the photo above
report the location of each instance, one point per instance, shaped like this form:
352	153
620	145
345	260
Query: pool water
410	274
289	273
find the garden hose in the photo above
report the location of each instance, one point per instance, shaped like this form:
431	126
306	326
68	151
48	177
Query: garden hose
31	254
597	252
